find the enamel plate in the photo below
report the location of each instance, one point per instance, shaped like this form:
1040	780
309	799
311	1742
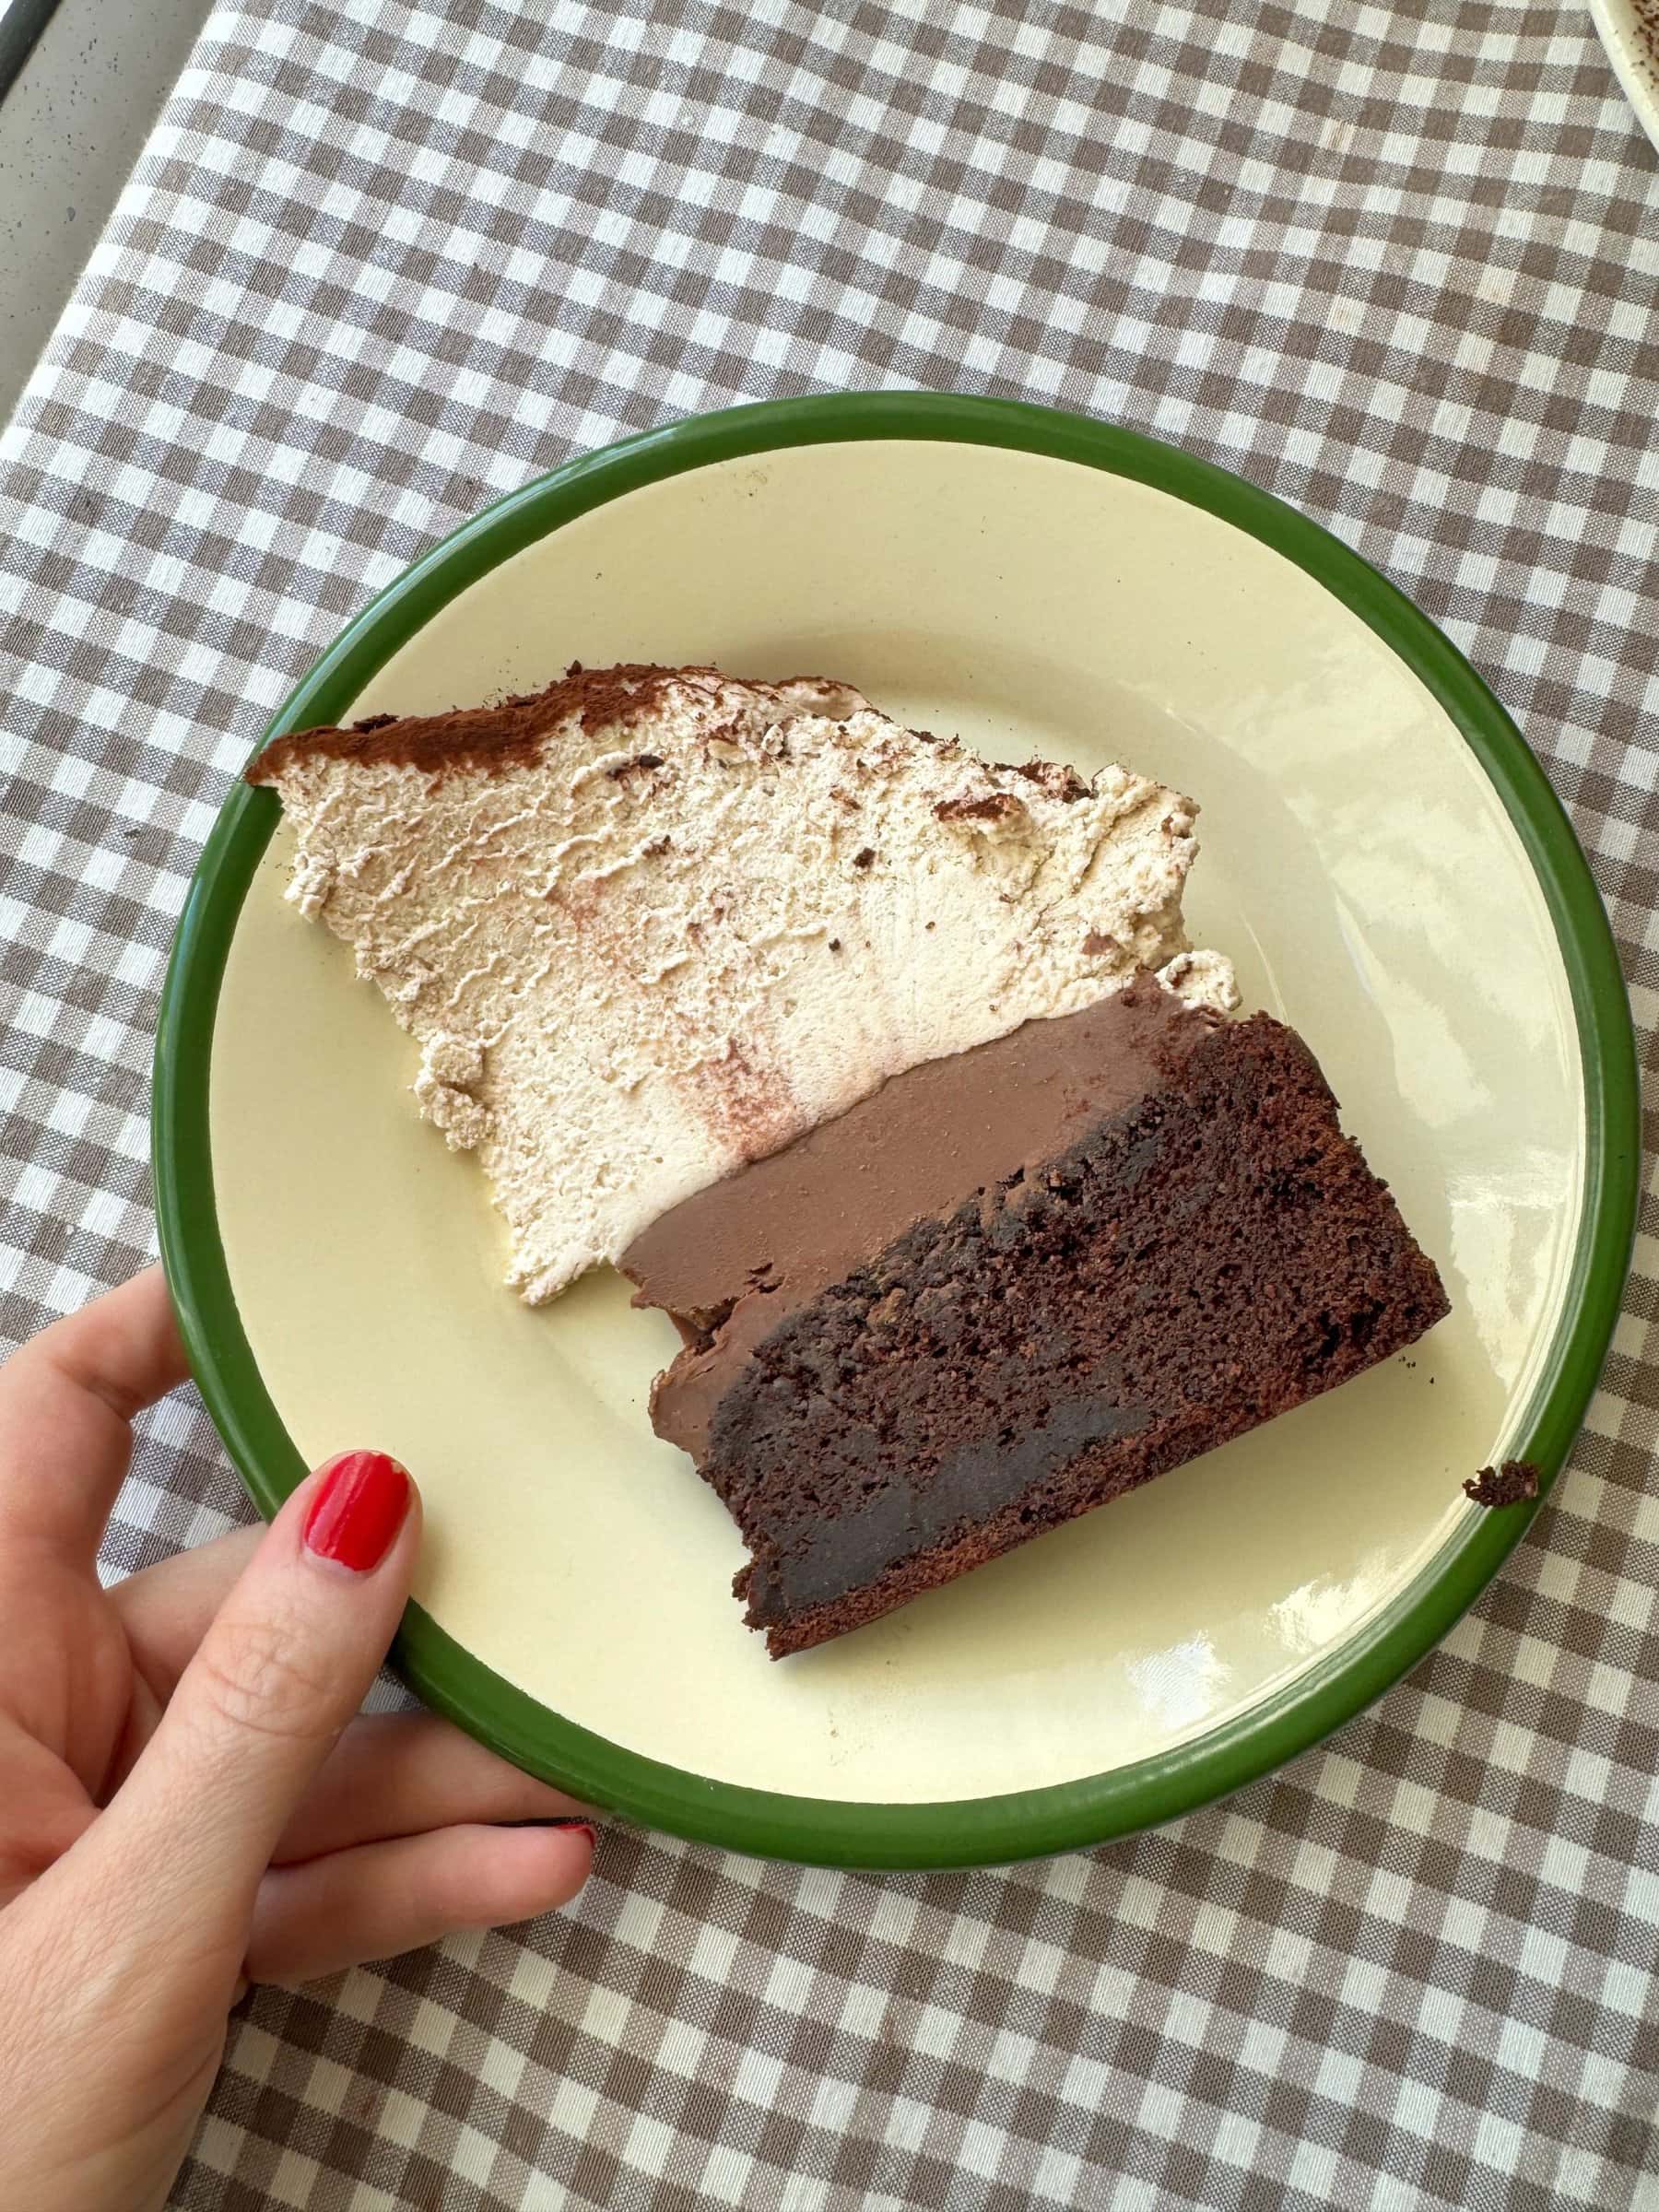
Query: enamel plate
1630	32
1382	856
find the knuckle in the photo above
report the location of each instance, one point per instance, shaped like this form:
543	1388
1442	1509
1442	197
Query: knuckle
256	1675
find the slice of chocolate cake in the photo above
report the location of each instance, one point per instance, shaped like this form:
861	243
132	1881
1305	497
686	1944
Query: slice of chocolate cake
888	1072
1010	1287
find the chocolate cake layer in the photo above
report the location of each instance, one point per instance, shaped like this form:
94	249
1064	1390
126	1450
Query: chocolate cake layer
1192	1259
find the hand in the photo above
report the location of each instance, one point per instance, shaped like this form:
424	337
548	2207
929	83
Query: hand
186	1801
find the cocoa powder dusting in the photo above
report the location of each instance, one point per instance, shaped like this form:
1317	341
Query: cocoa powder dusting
487	737
1059	780
752	1110
994	807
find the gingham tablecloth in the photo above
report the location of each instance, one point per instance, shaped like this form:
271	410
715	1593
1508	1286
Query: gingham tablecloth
1399	265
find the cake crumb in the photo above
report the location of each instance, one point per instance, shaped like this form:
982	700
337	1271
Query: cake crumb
1514	1483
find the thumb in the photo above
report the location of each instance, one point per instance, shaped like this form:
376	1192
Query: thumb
283	1666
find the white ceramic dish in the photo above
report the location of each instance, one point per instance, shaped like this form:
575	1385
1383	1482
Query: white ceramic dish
1380	855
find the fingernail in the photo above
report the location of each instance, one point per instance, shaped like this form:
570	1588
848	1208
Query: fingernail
358	1511
578	1827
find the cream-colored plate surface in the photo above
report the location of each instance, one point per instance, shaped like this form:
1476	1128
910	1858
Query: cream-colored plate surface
1356	863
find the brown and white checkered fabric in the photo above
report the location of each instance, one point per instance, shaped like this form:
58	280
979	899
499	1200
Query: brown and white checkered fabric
1398	263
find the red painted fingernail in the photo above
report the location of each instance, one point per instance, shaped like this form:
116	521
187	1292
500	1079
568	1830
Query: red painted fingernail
358	1511
577	1828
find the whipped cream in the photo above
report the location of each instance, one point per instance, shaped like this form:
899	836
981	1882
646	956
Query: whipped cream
657	923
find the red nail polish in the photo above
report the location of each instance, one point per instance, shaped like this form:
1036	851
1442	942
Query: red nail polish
358	1511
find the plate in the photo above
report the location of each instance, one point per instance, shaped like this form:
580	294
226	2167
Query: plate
1383	857
1630	32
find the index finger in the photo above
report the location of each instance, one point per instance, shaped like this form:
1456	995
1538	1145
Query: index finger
66	1402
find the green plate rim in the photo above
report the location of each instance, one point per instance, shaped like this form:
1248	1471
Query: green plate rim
1026	1824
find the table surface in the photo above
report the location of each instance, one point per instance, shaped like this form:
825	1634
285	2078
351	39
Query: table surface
380	263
